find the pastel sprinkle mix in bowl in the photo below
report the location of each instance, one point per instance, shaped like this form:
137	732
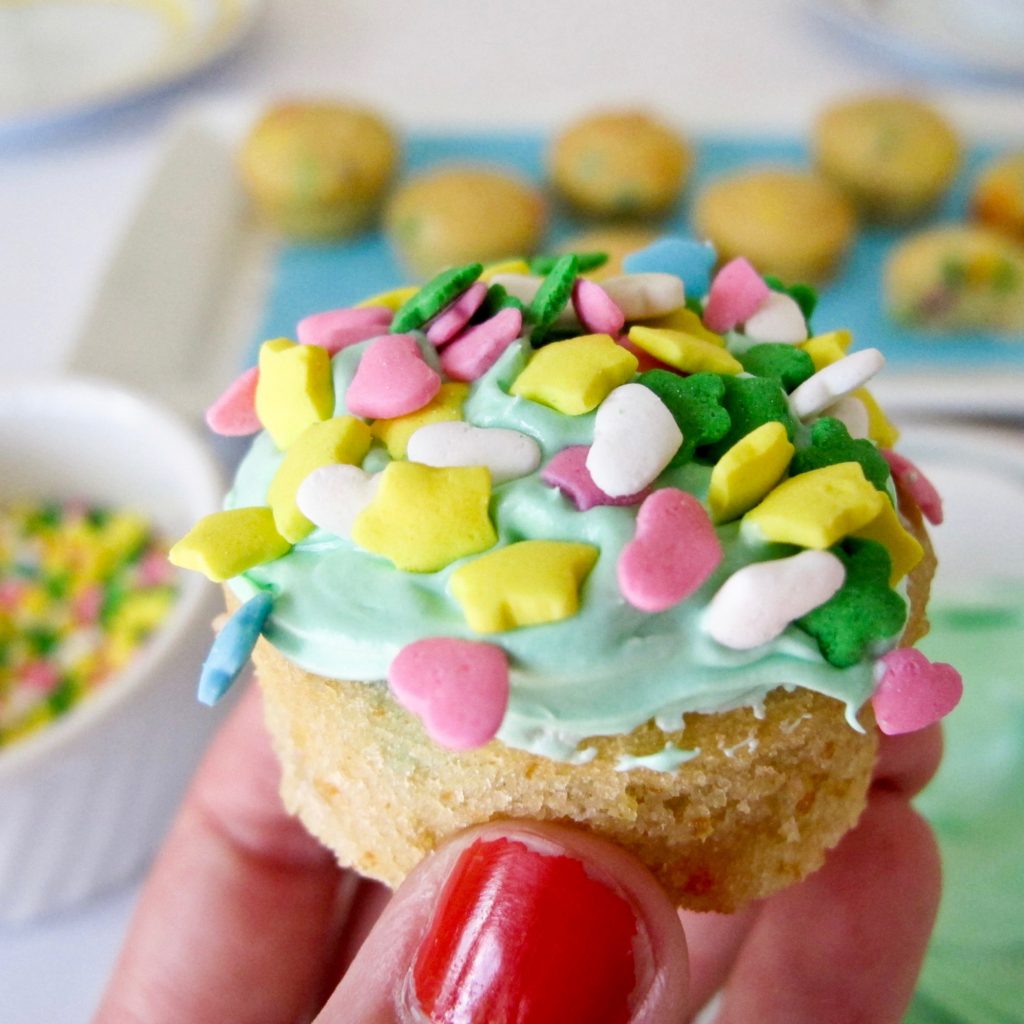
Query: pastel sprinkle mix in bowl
81	588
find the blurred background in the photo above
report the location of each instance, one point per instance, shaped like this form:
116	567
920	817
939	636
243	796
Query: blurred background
130	251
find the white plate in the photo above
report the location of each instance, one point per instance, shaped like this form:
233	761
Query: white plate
61	57
978	35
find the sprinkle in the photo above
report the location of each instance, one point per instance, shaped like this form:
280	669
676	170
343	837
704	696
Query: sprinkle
834	381
685	258
575	376
914	692
445	405
393	299
825	349
904	548
756	603
635	438
492	270
523	584
224	544
852	414
339	328
673	552
880	428
685	352
392	379
831	444
595	308
294	389
477	349
750	401
748	471
779	319
343	439
232	648
585	262
332	497
641	296
864	612
736	294
423	518
458	688
916	484
233	414
507	454
443	327
696	405
553	293
786	364
568	472
816	509
804	295
429	300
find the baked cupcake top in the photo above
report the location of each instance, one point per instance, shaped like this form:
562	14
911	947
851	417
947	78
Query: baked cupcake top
545	508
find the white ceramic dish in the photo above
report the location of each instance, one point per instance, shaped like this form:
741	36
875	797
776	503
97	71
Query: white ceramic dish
84	801
66	57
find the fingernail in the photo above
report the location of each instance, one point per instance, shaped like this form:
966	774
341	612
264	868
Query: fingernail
527	936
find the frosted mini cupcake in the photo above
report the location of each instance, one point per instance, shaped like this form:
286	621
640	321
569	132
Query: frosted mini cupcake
539	547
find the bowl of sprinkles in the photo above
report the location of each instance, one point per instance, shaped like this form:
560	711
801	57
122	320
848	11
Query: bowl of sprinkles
101	638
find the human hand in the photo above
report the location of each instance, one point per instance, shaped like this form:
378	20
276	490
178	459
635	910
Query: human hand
246	918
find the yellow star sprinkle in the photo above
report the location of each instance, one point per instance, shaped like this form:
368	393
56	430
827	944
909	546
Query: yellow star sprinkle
826	349
817	509
295	388
881	429
523	584
423	518
684	351
444	406
684	320
575	376
504	267
342	439
393	300
748	471
224	544
904	548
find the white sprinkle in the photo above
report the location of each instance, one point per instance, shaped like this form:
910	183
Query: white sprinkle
332	496
832	382
641	296
508	454
779	318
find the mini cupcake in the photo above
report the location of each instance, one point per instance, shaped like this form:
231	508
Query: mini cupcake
893	156
606	553
787	222
318	170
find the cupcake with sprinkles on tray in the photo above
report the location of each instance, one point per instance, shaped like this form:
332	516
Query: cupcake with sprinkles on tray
635	554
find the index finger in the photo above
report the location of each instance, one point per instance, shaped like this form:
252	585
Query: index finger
238	919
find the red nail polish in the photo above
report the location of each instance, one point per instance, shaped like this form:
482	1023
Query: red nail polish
520	937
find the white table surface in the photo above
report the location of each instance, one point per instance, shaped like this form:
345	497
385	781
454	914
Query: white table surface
67	190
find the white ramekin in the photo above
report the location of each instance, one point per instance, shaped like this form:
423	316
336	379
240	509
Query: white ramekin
85	801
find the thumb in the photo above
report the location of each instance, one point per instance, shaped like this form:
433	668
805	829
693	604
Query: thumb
524	922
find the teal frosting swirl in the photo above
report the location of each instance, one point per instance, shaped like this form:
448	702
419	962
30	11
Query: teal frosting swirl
344	613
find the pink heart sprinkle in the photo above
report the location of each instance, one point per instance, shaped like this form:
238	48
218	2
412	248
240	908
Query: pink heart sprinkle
568	472
916	484
40	675
456	314
674	551
233	414
473	352
914	692
459	688
736	293
392	379
596	309
338	328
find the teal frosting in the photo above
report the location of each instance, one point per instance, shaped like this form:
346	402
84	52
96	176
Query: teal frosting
345	613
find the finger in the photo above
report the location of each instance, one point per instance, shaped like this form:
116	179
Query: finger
847	943
714	942
240	910
526	922
906	764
